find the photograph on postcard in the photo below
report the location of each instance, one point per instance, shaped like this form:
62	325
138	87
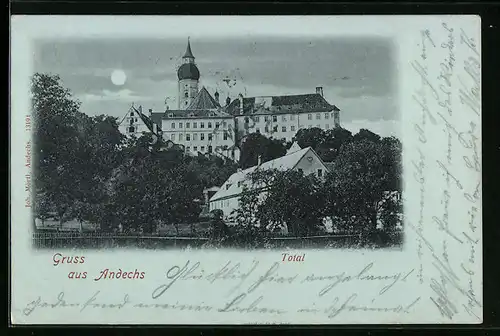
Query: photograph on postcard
283	170
139	143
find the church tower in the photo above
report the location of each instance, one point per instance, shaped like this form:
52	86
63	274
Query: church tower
188	76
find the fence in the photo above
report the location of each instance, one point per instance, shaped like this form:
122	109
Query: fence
99	240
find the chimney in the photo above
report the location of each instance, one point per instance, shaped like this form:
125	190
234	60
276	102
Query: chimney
259	160
240	96
216	96
228	101
150	112
319	90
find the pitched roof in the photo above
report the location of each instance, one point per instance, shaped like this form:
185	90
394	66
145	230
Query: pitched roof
284	163
281	104
203	101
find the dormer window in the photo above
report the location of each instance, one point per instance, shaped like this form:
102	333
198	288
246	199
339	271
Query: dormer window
132	113
170	115
228	186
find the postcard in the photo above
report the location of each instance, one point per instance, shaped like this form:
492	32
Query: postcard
229	170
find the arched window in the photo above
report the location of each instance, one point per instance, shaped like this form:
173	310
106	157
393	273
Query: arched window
131	129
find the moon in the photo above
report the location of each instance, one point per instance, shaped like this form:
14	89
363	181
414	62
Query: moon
118	77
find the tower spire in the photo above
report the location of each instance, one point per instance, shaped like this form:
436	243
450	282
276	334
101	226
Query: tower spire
189	53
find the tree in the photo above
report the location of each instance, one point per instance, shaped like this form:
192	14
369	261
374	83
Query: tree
278	198
334	139
365	134
310	137
358	183
255	145
56	138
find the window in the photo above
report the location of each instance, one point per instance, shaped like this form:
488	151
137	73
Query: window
209	124
180	137
333	114
318	116
180	125
283	118
301	171
210	149
131	129
227	187
292	117
186	94
292	128
202	137
327	126
188	125
188	148
217	124
224	124
275	128
195	148
132	113
225	135
209	136
257	130
256	118
246	120
195	136
309	116
275	118
283	129
202	149
132	121
266	118
327	115
224	147
135	119
173	125
202	125
172	136
188	137
320	172
195	124
266	129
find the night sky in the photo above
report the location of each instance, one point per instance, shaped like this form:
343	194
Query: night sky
357	74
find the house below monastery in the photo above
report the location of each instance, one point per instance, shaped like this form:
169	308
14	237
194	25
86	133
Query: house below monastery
303	160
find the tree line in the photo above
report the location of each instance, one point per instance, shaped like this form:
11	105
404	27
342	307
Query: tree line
85	169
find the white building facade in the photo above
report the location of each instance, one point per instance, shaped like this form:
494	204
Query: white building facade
281	117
